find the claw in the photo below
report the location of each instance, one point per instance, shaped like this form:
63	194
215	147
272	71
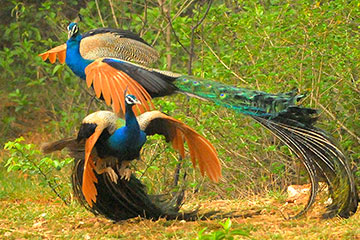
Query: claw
111	173
100	169
125	173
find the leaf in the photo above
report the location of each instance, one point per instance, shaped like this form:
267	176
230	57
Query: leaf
56	69
227	224
219	235
240	232
200	233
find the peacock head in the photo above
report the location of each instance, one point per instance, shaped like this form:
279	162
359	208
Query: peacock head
131	100
73	30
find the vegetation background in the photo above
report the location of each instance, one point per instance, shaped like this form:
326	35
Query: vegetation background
268	45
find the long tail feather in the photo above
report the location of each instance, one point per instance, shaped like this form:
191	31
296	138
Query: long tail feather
57	145
294	125
323	160
129	199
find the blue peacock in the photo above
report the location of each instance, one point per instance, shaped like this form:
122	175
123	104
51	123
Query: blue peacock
105	147
116	63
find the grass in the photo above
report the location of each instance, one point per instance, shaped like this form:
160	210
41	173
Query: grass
29	211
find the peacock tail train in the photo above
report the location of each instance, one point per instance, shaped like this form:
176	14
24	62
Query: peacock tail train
324	161
294	126
125	199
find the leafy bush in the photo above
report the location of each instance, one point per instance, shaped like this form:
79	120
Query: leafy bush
26	158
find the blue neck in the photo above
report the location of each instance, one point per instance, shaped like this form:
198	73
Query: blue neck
128	137
130	118
73	57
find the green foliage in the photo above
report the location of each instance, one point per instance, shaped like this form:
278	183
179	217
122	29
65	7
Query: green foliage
28	90
272	46
20	99
224	233
26	158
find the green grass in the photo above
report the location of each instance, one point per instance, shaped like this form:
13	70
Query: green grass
30	211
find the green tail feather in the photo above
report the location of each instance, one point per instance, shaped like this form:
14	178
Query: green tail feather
293	125
250	102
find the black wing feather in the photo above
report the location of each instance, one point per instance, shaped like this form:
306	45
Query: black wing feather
155	83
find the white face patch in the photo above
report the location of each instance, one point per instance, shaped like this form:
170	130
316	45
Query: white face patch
73	30
131	100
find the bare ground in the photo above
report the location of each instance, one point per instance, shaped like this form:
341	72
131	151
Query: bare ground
41	217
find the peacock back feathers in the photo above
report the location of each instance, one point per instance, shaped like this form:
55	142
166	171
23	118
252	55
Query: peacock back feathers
115	43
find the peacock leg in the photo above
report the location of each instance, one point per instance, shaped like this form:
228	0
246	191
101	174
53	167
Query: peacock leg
101	168
124	171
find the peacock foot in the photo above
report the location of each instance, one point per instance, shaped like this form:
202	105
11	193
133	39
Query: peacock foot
111	173
125	173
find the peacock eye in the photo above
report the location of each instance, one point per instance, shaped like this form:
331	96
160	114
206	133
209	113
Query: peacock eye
222	95
196	83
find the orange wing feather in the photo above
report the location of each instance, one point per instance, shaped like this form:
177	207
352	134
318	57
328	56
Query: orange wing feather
89	178
88	186
111	84
202	152
59	51
178	142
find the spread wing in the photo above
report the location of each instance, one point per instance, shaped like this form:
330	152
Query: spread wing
202	152
110	83
110	77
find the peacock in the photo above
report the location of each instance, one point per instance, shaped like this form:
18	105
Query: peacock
109	148
125	199
84	53
294	125
120	200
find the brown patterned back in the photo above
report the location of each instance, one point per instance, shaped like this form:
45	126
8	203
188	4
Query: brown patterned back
110	45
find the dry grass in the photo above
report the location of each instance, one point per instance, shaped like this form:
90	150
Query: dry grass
28	211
